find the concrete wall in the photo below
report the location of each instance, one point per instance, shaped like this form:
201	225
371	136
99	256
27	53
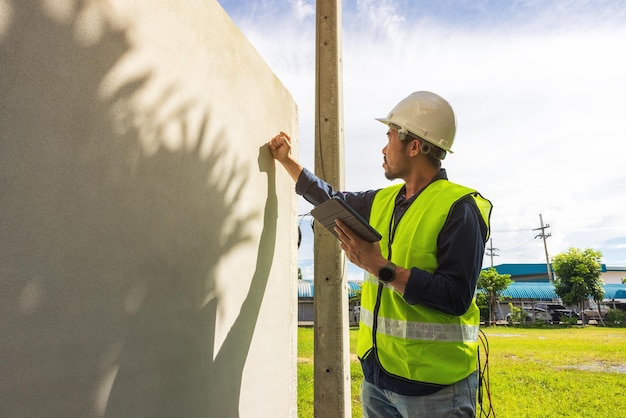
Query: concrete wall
147	248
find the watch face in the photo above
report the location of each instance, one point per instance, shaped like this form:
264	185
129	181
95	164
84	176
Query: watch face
386	274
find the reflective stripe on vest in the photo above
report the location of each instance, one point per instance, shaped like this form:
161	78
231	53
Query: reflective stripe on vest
422	331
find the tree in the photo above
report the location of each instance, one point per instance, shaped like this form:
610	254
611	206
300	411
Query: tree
492	285
578	277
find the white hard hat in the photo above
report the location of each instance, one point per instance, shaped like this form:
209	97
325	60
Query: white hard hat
425	115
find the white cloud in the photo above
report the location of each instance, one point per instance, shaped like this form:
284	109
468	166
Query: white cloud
538	91
377	17
303	9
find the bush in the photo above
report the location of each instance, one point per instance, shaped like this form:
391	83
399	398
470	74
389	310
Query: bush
516	314
539	323
616	317
568	320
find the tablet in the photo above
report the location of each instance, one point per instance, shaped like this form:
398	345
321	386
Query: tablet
336	208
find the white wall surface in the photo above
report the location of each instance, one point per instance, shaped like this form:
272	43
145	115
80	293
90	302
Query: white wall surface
147	249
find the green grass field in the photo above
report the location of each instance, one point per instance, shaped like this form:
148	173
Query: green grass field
533	372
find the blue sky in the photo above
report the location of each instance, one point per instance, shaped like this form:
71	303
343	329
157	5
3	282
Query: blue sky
538	88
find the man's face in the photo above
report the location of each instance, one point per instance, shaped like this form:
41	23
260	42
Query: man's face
396	162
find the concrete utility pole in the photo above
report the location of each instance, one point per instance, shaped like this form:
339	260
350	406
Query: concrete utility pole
544	236
331	339
491	251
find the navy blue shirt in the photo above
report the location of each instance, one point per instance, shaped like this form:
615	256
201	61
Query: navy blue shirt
449	289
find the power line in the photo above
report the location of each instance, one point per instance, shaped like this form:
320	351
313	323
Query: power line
521	247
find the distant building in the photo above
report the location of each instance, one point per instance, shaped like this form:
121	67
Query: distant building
539	272
530	285
306	291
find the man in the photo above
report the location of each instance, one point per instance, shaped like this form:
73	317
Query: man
418	330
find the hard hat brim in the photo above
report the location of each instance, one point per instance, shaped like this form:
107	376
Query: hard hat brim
387	122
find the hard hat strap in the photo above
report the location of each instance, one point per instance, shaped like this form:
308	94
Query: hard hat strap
434	151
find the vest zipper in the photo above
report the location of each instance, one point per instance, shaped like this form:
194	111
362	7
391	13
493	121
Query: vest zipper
376	309
392	233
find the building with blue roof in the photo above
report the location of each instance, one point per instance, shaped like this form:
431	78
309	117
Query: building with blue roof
306	293
530	285
530	282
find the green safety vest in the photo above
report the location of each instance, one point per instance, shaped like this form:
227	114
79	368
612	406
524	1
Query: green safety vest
415	342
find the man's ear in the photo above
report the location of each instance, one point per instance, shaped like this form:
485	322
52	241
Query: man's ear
414	147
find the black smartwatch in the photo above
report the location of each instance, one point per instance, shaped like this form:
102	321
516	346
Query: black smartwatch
388	273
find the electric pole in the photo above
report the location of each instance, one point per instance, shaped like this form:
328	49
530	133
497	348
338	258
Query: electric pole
491	251
331	379
544	236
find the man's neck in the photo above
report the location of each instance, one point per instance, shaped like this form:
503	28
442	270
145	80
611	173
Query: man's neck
418	181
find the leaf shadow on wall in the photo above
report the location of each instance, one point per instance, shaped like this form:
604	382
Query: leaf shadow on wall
108	260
